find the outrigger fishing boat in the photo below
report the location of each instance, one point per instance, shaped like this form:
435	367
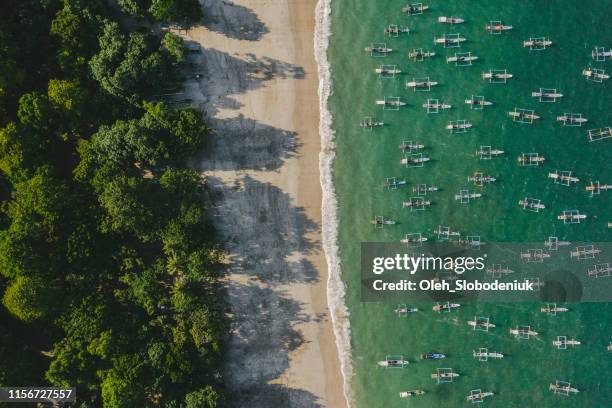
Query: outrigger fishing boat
523	116
496	75
393	363
381	50
553	309
390	102
596	187
445	306
479	395
564	342
419	204
411	146
461	58
446	232
448	40
486	325
436	105
487	354
544	94
478	102
405	310
567	217
381	221
571	120
428	189
408	239
450	20
531	205
492	152
415	8
467	196
498	27
530	160
480	179
393	183
420	84
537	43
564	388
458	126
592	74
526	332
441	375
388	71
370	123
563	177
393	29
414	160
406	394
420	54
432	356
600	53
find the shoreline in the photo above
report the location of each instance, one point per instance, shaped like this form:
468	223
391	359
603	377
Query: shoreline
335	286
258	90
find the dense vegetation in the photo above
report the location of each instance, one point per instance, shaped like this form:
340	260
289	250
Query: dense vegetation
108	267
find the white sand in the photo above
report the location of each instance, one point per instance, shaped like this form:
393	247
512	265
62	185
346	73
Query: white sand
259	92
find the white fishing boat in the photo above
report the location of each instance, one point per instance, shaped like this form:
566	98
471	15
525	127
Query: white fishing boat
537	43
544	94
461	58
596	75
498	27
414	160
448	40
406	394
571	120
388	71
478	102
450	20
438	105
496	75
393	363
523	115
420	84
458	126
380	50
390	102
420	54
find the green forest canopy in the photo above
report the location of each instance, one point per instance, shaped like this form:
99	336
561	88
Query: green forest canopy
108	266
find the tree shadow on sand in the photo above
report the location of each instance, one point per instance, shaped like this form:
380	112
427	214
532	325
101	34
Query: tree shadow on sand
232	20
223	75
237	143
240	143
252	219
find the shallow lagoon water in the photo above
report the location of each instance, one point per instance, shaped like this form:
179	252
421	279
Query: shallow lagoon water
364	159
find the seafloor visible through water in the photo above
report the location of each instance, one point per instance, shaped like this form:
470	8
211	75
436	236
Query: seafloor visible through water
366	158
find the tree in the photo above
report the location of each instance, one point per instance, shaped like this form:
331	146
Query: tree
121	385
33	111
205	397
40	216
174	46
66	95
134	7
176	10
27	298
128	65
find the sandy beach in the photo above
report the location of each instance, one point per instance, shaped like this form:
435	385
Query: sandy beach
258	89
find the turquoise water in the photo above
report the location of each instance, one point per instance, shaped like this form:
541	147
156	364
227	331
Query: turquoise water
365	159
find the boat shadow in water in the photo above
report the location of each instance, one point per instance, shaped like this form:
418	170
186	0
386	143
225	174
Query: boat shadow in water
232	20
267	240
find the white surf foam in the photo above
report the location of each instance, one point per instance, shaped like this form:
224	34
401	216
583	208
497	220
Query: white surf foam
335	286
